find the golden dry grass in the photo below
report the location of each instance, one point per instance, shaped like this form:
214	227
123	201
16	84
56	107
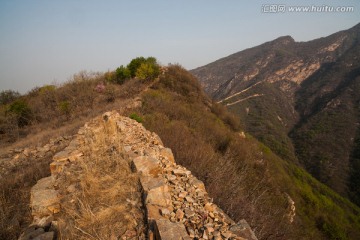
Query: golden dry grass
107	203
50	123
15	213
84	103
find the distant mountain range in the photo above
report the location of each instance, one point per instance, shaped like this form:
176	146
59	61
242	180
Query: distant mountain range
302	99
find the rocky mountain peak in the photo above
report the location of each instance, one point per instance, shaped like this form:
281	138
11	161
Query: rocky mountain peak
284	40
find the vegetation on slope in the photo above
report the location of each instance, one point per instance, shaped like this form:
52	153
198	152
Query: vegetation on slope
15	195
325	136
267	117
307	104
242	175
45	113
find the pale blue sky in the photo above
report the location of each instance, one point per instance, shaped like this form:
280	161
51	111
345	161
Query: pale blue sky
45	41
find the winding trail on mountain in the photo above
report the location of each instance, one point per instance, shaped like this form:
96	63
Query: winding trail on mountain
241	100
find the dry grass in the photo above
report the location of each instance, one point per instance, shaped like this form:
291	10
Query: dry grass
83	102
202	137
15	214
234	177
49	122
107	203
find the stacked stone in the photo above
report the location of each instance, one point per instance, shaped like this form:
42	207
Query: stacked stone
177	204
21	157
45	202
194	208
44	199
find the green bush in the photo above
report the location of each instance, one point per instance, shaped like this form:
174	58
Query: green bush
136	117
147	71
144	68
140	67
121	74
135	64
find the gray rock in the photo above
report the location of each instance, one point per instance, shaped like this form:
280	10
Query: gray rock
44	222
31	233
44	200
45	236
243	229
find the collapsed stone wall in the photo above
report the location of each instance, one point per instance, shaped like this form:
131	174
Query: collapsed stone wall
176	203
23	157
19	167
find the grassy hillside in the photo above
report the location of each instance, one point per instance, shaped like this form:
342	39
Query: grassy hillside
324	138
301	99
51	112
268	117
242	175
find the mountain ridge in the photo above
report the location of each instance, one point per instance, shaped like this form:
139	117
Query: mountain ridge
279	86
243	176
153	166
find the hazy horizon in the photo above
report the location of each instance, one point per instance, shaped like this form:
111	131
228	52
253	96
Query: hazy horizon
47	41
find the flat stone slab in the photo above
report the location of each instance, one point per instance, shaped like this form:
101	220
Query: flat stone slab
166	230
44	199
153	212
167	153
74	144
242	229
156	191
67	155
180	172
31	233
147	165
148	183
61	156
44	183
45	236
197	183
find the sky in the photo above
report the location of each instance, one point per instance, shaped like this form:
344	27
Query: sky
48	41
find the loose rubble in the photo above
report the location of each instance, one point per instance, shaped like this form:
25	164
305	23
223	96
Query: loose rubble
22	157
176	203
44	197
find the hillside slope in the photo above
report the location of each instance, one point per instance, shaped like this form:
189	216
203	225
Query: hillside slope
243	176
299	98
260	186
116	180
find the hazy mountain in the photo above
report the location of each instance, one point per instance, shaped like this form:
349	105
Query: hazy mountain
300	98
